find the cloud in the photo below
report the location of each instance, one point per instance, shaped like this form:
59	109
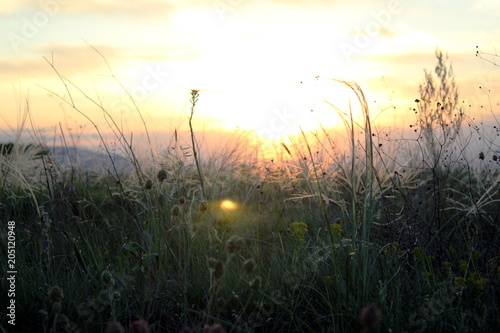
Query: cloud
135	9
490	5
69	59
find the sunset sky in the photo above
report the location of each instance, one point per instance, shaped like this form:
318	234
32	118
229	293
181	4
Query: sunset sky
256	61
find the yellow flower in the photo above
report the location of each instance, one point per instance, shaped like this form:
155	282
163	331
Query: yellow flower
480	284
391	249
299	231
459	282
336	229
463	265
447	264
417	252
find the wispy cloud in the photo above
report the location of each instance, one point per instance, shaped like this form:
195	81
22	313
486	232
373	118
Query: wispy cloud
70	59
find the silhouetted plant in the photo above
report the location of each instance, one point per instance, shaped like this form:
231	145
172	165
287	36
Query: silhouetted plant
438	116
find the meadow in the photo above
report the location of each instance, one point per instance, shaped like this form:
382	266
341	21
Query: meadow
386	234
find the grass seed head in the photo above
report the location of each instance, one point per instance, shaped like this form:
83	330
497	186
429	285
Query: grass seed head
139	326
55	294
235	244
161	175
107	279
216	266
370	316
44	315
176	211
256	283
217	328
248	266
114	327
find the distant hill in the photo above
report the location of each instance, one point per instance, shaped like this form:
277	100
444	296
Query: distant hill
89	160
80	158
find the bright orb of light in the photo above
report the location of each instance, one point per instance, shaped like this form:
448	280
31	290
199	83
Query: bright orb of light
228	205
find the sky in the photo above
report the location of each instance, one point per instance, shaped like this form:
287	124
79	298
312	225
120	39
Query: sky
263	66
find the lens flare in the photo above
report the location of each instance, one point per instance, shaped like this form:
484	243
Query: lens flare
228	205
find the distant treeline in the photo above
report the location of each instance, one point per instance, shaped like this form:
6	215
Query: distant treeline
8	148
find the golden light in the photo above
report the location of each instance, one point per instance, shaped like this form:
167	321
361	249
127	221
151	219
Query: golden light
228	205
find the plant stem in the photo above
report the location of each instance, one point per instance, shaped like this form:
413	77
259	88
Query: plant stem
194	99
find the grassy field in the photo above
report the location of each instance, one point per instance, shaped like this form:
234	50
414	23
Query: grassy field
389	235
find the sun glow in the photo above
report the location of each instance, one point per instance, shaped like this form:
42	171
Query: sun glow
228	205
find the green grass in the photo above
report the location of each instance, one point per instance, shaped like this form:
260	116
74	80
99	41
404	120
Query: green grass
329	232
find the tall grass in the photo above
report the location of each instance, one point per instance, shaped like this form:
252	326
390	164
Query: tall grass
377	237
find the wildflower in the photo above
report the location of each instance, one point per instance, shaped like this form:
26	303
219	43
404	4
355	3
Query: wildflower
370	316
328	280
216	267
139	326
256	283
298	231
391	249
114	327
175	211
107	279
161	175
480	284
235	244
55	294
336	229
148	185
417	252
447	265
248	266
463	266
459	282
426	276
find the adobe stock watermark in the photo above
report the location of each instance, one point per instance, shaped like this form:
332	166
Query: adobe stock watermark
280	120
381	19
224	6
31	25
